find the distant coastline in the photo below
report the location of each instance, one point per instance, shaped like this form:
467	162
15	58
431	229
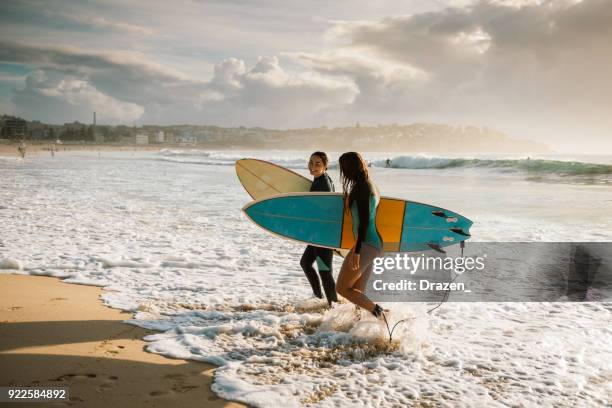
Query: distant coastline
38	148
412	138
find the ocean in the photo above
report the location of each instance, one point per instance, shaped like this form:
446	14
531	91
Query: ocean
163	233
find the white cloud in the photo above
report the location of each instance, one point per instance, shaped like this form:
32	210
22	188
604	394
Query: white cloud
56	96
476	40
69	84
101	23
534	69
227	75
267	95
12	78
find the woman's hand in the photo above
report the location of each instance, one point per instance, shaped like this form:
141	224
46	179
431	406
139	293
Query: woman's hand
355	261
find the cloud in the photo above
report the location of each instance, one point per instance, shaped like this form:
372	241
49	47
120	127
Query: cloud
56	95
68	16
68	84
535	68
101	23
12	78
384	88
267	95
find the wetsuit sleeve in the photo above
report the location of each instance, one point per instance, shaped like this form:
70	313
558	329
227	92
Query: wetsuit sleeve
315	185
327	183
362	197
322	183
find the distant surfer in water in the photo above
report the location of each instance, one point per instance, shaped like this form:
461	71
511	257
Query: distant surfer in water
323	256
362	198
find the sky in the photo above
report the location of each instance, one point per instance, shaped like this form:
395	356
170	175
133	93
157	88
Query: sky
534	69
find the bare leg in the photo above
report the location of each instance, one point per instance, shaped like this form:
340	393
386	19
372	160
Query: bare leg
361	283
351	283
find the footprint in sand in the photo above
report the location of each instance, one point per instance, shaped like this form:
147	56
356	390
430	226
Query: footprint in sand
181	383
158	393
104	382
65	377
108	347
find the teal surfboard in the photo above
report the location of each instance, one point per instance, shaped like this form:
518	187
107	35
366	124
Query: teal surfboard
320	219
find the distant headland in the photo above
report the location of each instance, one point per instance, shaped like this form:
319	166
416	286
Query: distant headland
415	137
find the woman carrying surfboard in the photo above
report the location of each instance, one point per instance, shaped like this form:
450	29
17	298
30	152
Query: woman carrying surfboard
361	197
317	165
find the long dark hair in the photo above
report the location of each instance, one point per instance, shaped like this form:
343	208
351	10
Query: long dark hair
352	170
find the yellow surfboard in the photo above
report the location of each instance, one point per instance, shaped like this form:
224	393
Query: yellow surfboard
263	179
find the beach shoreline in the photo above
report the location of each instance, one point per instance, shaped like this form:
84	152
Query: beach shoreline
60	335
164	236
34	149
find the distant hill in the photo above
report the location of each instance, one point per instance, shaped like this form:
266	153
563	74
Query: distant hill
416	137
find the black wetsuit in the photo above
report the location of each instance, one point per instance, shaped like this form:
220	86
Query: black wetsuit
363	203
323	256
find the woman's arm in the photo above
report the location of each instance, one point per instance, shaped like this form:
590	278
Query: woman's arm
362	196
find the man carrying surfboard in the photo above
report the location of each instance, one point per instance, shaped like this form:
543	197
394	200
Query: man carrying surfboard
361	197
317	165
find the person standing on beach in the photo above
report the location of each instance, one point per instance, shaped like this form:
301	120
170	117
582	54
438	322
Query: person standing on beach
317	165
22	149
361	197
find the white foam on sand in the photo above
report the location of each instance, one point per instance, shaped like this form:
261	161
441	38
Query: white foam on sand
168	242
9	263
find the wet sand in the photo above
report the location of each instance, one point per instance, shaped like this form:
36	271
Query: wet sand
37	149
59	334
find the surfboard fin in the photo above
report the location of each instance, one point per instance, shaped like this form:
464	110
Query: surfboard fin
436	247
442	214
460	232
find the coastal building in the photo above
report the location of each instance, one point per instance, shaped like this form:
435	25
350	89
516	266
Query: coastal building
186	138
14	128
142	139
98	137
169	137
39	133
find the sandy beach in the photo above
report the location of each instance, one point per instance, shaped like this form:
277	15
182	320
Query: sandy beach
164	236
44	148
58	334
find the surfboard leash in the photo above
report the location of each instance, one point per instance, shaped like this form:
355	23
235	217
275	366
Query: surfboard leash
442	301
387	324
